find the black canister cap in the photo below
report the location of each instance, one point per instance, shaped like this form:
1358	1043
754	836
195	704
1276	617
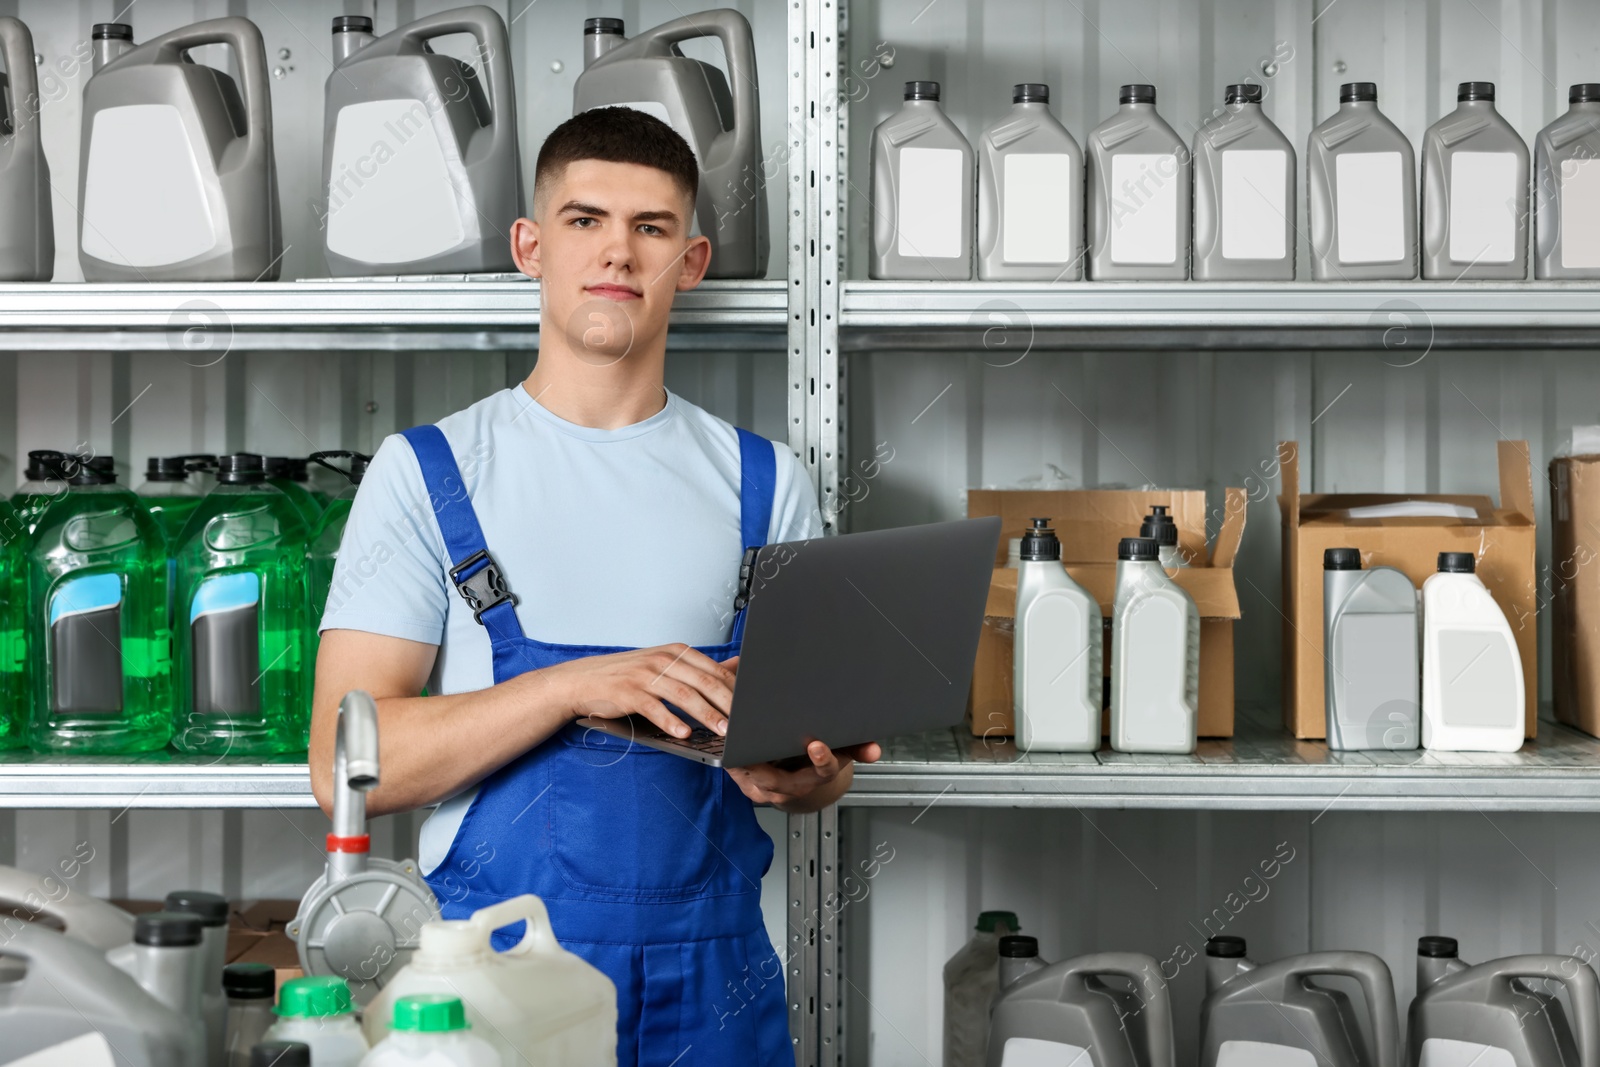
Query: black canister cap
250	981
1475	91
241	468
1138	94
112	31
1138	548
1584	93
47	463
97	470
211	908
1158	526
1242	94
922	90
609	26
1350	92
352	24
1341	559
290	467
1457	563
1040	543
1019	947
1438	948
166	468
166	929
1226	948
281	1054
1030	93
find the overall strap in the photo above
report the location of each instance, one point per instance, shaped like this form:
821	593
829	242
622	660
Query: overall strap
473	571
758	476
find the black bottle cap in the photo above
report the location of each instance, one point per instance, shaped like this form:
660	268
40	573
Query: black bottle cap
250	981
166	929
1438	948
1584	93
1352	91
98	470
1457	563
1158	526
281	1054
611	26
1242	94
352	24
922	90
1019	947
1030	93
45	464
1138	548
1040	543
112	31
1475	91
1138	94
1341	559
166	468
1226	948
290	467
211	908
241	468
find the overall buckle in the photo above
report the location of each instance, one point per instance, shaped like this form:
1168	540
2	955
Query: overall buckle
747	578
485	587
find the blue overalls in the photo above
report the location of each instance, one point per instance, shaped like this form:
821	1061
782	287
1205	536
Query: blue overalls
650	864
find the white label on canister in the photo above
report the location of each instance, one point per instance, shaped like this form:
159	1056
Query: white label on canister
929	225
1370	207
390	197
1036	209
145	202
1031	1052
89	1050
1144	208
1261	1054
1580	213
1483	207
1255	204
1440	1052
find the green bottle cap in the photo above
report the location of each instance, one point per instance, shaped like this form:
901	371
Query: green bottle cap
313	998
430	1013
988	919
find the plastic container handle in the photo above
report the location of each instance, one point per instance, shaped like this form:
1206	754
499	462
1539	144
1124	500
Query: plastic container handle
74	910
1377	985
16	44
537	939
738	47
244	38
1583	988
494	48
1145	974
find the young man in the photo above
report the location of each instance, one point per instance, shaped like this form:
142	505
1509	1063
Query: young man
615	514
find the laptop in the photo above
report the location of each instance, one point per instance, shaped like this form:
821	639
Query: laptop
847	639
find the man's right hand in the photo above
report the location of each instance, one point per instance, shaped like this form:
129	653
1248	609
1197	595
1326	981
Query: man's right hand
643	681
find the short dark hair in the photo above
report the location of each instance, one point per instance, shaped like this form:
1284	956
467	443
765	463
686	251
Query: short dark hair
618	135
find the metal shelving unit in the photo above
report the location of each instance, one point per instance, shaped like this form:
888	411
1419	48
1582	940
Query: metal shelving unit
157	780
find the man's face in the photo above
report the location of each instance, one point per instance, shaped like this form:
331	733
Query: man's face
610	246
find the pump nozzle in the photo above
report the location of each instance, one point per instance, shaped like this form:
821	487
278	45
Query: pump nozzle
355	773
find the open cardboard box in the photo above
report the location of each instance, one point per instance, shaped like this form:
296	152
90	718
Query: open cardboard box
1089	524
1502	538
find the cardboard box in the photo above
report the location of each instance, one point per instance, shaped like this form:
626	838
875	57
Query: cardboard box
1575	575
1089	524
1502	538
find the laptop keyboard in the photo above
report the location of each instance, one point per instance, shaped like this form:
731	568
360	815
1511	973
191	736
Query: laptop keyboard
700	739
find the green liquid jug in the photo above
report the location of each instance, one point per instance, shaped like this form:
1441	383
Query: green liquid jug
13	649
27	230
240	619
169	495
45	478
99	649
289	474
323	552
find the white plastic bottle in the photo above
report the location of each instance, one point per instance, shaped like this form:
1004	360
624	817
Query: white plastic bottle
431	1030
318	1011
1030	194
1155	655
1472	684
1056	684
971	979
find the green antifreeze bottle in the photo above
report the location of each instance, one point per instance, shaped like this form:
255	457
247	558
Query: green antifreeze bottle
99	650
292	476
169	494
13	648
44	479
240	618
323	552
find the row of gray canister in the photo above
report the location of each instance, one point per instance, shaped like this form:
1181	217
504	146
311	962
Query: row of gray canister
1504	1013
1038	218
178	180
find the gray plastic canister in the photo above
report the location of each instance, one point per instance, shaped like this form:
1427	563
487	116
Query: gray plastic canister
1361	193
1244	204
1140	193
1474	192
1566	189
1064	1013
27	236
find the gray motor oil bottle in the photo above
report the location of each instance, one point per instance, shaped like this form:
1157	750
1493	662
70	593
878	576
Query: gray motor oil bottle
921	192
1139	194
178	180
1567	190
1474	192
1272	1016
1361	195
720	117
167	960
1489	1016
414	134
212	911
1064	1014
1370	654
1243	194
27	235
1030	194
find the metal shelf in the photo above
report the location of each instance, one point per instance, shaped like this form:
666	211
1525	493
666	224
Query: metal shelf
1261	769
1406	318
155	780
367	314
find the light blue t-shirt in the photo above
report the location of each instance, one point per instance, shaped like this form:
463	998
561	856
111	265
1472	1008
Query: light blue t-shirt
624	537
